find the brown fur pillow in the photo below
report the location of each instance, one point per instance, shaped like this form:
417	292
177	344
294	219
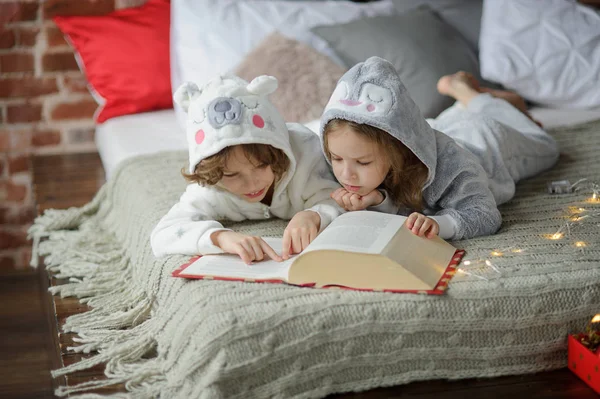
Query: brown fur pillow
306	77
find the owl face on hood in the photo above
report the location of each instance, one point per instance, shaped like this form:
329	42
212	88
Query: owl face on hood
370	99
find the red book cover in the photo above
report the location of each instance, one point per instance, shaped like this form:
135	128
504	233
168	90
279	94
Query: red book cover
439	288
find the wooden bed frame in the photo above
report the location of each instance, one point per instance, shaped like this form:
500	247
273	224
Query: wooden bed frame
62	181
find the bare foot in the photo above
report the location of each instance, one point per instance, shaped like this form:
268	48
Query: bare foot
462	86
446	83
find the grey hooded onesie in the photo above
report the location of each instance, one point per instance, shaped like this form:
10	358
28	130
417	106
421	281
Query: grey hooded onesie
473	165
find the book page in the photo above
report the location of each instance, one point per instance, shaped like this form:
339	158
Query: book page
360	231
232	266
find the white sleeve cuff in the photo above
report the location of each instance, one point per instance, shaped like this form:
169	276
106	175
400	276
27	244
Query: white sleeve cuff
448	226
205	244
327	213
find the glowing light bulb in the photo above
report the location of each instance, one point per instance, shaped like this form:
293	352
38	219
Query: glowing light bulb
517	250
556	236
496	253
466	263
596	319
580	244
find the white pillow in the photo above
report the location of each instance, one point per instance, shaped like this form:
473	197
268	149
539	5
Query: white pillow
210	37
547	51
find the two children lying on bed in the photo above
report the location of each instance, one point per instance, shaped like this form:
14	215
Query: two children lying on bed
245	162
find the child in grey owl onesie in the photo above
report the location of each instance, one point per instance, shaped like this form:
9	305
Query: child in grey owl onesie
447	174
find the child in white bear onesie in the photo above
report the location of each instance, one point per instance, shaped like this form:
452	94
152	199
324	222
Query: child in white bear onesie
245	163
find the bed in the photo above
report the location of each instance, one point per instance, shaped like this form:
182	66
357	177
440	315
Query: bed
509	311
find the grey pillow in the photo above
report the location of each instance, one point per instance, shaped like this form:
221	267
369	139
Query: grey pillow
462	15
418	43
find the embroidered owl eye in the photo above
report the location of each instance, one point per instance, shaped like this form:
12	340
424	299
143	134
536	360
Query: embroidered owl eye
374	98
378	99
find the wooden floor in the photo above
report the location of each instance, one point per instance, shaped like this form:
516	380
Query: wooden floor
25	337
30	345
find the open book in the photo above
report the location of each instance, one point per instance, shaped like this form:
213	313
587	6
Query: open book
362	250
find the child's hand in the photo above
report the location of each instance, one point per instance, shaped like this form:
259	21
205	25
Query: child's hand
300	231
249	248
354	202
422	226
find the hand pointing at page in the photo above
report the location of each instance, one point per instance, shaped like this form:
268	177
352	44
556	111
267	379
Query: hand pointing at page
300	231
249	248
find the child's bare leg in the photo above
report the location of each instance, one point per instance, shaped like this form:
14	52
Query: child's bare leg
463	87
512	98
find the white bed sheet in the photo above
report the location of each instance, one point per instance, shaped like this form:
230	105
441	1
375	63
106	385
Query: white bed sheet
123	137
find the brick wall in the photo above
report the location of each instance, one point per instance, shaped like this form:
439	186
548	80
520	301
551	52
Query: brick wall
45	106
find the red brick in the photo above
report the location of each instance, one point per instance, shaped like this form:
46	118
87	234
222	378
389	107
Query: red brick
12	192
57	62
80	7
7	38
17	11
19	163
16	62
9	238
23	113
55	37
27	87
45	138
27	36
76	84
3	164
80	110
17	215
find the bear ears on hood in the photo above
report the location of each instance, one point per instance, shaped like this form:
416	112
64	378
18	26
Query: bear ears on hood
261	86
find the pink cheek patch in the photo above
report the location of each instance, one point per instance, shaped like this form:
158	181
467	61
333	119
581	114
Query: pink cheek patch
199	136
258	121
370	108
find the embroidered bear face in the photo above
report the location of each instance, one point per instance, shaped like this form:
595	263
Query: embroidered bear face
228	111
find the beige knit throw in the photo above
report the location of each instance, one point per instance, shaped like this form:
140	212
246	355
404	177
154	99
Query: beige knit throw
174	338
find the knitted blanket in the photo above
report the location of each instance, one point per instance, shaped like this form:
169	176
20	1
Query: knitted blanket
509	311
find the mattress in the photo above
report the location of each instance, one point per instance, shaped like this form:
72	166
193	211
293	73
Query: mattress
170	338
126	136
123	137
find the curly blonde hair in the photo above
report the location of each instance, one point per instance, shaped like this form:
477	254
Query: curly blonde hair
407	175
209	171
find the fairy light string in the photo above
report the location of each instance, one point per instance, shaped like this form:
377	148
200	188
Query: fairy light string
583	211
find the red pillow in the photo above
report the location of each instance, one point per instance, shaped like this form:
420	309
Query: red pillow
125	57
